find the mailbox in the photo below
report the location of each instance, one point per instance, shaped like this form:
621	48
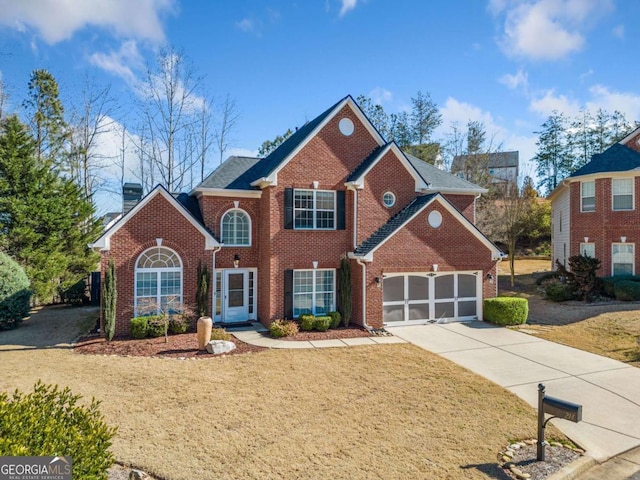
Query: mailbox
562	409
557	409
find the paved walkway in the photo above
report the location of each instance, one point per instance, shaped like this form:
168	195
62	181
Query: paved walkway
258	335
608	390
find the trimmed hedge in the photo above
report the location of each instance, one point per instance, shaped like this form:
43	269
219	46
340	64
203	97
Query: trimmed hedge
506	310
627	290
307	322
178	324
139	326
322	324
336	318
559	292
156	325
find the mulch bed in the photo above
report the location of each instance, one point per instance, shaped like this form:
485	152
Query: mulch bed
525	461
180	346
334	333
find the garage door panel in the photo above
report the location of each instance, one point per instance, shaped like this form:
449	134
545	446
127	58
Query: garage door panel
444	287
393	313
418	287
466	285
467	308
445	310
393	290
419	311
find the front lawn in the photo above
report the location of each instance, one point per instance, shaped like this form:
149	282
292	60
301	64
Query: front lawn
384	411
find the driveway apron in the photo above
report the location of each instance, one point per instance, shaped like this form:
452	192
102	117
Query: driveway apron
608	390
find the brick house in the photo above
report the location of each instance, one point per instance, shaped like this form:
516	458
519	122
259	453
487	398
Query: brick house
273	232
595	209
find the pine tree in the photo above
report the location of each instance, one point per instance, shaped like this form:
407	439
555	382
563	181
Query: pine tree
45	221
554	158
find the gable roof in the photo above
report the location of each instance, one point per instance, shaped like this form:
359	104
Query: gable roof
616	158
186	209
356	177
404	216
441	181
277	159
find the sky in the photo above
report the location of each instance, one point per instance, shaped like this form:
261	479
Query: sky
506	63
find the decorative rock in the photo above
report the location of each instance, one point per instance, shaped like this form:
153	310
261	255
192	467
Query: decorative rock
514	446
524	475
220	346
506	458
510	453
555	444
137	475
530	442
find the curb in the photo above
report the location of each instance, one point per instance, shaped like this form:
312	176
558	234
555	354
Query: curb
575	469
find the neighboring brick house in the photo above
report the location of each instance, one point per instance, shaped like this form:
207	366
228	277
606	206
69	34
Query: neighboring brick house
595	210
273	232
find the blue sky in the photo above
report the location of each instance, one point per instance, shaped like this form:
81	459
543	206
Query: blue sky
507	63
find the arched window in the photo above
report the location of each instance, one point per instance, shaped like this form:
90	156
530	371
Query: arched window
158	287
236	228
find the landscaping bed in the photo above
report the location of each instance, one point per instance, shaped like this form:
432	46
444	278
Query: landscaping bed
180	346
333	333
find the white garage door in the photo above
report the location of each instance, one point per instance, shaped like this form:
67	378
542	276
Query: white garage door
430	297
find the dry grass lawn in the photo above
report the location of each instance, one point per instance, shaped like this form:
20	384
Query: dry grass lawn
387	411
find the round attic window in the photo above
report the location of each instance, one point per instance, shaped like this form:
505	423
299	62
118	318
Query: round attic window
346	126
435	219
389	199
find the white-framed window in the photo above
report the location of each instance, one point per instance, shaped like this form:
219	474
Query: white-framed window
158	282
622	192
388	199
313	291
314	209
622	259
588	249
235	228
588	196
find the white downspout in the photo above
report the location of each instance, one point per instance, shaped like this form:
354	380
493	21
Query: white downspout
474	207
364	293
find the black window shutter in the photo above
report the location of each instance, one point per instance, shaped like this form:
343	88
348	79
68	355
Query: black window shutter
288	208
288	294
340	210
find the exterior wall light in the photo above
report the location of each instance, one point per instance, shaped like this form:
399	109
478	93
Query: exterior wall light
623	239
435	267
236	261
490	278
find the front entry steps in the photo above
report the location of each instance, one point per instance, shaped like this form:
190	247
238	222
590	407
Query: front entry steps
249	325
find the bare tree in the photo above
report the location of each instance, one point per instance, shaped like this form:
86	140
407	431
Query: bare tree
4	98
227	122
169	110
89	122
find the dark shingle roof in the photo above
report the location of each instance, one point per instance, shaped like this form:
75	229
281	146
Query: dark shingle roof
394	224
235	173
191	205
366	163
616	158
439	179
494	160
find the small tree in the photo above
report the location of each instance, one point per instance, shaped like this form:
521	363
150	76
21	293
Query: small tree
344	290
202	291
110	299
582	276
14	292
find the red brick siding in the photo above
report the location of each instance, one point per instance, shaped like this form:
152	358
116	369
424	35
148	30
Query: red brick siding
372	213
213	209
418	246
633	143
604	226
157	219
464	203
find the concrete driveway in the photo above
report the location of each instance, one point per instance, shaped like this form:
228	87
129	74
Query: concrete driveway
608	390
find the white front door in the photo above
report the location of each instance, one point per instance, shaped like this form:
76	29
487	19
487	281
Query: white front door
236	296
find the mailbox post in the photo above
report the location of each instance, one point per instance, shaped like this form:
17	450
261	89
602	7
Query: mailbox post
557	409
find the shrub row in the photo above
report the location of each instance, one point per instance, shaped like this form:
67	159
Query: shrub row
506	310
154	325
323	323
283	328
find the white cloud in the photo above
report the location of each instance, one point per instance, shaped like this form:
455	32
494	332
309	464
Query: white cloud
347	5
518	80
246	25
547	29
455	111
120	63
56	20
618	32
241	152
545	105
606	99
380	95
